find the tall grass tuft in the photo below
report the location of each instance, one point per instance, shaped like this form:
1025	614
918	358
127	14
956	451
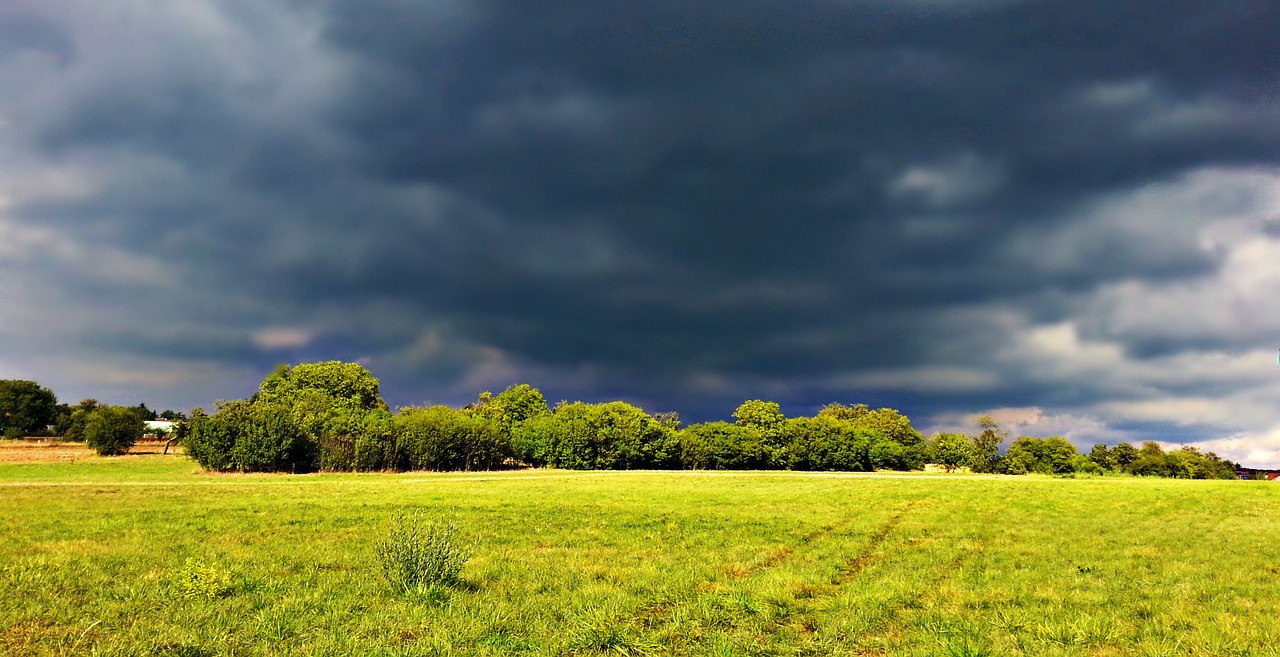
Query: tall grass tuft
421	554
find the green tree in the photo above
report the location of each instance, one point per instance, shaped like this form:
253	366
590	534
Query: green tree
357	440
74	423
986	446
763	416
345	384
250	436
609	436
25	407
1123	456
112	430
209	441
1058	454
1153	462
892	424
766	418
1101	456
953	451
825	443
517	404
145	414
1085	464
838	411
1052	455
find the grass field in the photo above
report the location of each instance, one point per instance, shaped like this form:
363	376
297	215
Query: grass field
639	563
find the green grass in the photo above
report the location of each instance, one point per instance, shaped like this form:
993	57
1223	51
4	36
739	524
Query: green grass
94	556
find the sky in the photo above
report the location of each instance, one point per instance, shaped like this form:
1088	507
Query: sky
1063	214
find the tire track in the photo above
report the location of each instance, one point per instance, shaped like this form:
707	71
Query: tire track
870	552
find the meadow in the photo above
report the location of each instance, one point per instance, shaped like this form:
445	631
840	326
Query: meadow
635	563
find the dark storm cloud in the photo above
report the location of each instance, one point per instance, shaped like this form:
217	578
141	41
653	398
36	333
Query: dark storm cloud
691	201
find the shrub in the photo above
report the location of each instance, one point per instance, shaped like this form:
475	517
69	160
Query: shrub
375	445
250	437
416	555
268	440
197	580
13	433
887	454
824	443
208	441
722	446
609	436
112	430
441	438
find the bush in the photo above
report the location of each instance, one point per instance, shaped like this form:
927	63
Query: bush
13	433
609	436
357	440
375	447
208	441
441	438
268	440
722	446
416	555
250	437
824	443
112	430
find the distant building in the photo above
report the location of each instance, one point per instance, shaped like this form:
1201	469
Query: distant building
159	428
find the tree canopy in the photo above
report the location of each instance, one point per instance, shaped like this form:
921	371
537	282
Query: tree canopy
25	406
346	384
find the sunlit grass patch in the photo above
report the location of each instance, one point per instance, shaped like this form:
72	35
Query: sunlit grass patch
638	563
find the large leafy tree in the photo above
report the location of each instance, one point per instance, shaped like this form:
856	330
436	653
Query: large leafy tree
986	446
892	424
344	384
1123	456
510	407
766	418
25	406
824	443
763	416
1053	455
441	438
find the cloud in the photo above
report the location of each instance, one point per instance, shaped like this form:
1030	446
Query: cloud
943	206
963	179
282	338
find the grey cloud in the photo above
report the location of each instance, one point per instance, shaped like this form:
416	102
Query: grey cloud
681	203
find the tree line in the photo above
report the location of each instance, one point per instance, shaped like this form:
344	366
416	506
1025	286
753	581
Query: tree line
29	409
331	416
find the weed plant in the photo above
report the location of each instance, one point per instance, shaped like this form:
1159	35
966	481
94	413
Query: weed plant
420	553
196	579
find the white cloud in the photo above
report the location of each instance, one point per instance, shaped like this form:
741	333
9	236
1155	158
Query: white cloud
1251	449
1081	429
282	338
948	183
